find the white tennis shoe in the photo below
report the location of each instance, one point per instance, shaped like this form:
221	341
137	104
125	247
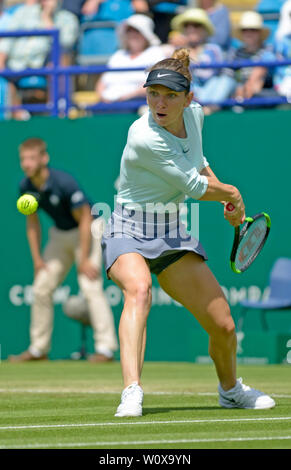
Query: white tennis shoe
131	401
243	396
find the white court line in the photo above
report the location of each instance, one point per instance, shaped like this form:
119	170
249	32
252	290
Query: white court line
115	392
125	443
134	423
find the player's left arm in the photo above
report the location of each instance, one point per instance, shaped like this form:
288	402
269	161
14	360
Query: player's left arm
83	217
206	171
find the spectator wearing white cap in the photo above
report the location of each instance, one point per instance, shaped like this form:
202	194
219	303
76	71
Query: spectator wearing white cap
140	48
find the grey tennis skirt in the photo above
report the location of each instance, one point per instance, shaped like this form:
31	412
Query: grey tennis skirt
160	238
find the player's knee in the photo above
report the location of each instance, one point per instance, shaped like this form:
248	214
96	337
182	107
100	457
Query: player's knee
226	329
141	292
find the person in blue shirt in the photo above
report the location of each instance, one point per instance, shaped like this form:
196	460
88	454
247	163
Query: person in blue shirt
70	240
282	74
197	27
219	16
248	82
163	162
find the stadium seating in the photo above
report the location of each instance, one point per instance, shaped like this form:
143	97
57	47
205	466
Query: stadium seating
33	82
269	6
98	40
270	10
279	296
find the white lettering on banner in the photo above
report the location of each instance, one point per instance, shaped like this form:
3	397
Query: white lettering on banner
235	295
240	337
61	294
23	295
15	295
114	295
288	345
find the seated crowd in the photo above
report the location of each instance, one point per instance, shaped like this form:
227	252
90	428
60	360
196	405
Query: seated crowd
149	31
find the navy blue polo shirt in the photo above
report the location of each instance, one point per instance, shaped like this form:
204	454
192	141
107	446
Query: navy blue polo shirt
60	194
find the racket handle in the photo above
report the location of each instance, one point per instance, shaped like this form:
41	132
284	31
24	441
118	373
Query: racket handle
229	207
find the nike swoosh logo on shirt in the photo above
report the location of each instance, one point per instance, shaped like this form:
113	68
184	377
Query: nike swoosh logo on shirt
160	75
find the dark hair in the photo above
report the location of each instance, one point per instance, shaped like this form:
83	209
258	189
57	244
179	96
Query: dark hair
179	62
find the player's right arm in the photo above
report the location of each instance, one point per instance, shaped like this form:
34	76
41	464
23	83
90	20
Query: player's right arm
33	232
221	192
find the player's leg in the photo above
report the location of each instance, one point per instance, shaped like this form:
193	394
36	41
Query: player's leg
131	273
190	282
100	313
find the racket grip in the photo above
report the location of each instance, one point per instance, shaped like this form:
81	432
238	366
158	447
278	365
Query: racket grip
229	207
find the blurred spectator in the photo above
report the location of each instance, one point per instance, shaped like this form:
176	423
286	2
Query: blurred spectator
33	52
82	7
282	75
196	26
219	16
176	40
105	10
140	48
12	5
4	17
284	26
4	98
162	13
247	82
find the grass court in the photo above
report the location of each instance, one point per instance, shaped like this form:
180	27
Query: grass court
71	405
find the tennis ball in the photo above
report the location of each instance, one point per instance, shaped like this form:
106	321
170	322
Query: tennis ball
27	204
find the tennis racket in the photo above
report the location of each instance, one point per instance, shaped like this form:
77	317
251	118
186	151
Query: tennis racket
248	240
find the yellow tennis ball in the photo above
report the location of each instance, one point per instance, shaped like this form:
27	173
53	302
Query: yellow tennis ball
27	204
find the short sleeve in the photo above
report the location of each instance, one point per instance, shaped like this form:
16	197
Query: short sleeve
73	193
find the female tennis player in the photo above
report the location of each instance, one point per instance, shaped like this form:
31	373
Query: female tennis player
161	164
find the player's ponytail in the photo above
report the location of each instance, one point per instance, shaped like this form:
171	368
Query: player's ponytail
179	62
183	56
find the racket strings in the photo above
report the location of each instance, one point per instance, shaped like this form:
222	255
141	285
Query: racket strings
251	242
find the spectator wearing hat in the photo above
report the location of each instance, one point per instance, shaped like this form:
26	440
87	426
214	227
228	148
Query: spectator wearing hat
219	16
282	75
140	48
247	82
196	26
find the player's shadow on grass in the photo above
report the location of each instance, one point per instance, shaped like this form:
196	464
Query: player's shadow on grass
148	411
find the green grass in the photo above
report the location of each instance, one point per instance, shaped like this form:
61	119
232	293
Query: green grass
71	405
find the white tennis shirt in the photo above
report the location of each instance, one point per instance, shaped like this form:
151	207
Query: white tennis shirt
157	166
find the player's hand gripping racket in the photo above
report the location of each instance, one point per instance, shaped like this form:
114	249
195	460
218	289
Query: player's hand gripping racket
248	241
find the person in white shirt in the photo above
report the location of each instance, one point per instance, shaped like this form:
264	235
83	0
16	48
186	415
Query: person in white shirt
140	48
